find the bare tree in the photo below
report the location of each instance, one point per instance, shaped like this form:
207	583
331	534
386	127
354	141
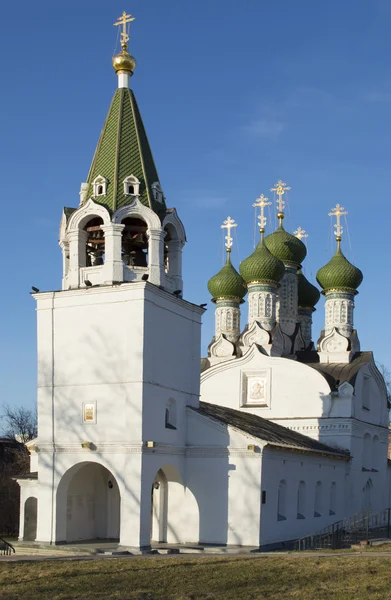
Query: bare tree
19	423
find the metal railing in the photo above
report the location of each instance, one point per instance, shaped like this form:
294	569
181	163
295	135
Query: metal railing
6	549
362	526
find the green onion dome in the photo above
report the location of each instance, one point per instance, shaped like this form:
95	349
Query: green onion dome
261	266
227	284
286	247
339	274
308	294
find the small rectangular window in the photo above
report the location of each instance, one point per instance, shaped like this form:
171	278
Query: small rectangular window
264	497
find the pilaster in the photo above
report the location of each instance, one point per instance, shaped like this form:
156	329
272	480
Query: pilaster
288	297
113	265
156	254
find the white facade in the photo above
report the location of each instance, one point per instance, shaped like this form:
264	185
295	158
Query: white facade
277	449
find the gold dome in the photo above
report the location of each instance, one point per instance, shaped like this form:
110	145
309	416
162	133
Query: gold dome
124	62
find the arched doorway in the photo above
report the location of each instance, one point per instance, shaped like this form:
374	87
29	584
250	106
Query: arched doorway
174	509
30	519
89	496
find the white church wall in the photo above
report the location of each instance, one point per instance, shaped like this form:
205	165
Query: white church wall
294	468
370	401
172	341
289	389
224	476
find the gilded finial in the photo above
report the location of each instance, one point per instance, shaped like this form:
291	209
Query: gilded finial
123	20
280	188
300	233
262	202
123	62
338	211
228	225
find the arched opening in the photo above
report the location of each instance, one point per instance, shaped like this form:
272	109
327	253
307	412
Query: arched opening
281	502
134	242
318	499
367	495
174	509
333	498
30	519
367	452
170	414
301	501
95	246
172	251
375	453
88	504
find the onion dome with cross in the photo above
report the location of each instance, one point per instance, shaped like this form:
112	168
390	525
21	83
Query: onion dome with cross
283	245
227	284
339	274
261	266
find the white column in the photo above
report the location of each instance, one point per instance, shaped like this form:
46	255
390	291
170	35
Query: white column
339	313
64	245
113	266
77	256
262	305
175	262
156	256
227	319
288	295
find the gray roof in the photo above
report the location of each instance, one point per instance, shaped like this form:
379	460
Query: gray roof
265	430
337	373
33	475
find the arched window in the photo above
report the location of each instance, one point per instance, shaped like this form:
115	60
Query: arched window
367	452
170	414
366	389
318	499
375	453
301	501
95	247
135	242
333	498
281	503
367	495
99	186
131	186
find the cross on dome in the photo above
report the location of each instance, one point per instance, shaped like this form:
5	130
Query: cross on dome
262	202
300	233
123	20
338	211
228	224
280	188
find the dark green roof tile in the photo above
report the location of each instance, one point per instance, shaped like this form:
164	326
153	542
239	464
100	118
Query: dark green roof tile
123	149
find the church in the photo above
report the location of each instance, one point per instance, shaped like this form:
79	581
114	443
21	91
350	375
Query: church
269	438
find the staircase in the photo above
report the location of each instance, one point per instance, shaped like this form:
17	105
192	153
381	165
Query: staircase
6	549
359	527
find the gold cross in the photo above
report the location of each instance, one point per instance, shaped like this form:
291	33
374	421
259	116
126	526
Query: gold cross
337	212
123	20
262	202
228	225
280	188
300	233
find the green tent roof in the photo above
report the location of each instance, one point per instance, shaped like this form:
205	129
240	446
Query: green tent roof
123	149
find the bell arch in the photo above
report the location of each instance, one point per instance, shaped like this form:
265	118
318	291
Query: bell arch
174	508
88	504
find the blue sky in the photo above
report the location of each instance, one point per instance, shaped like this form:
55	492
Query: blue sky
234	95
